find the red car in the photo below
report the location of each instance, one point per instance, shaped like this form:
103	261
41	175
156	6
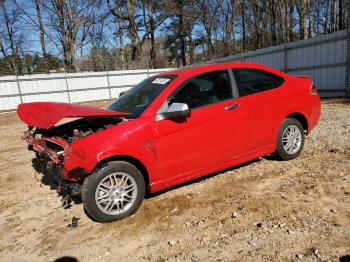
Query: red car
169	129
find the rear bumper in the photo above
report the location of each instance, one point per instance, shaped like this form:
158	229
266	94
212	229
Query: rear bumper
315	112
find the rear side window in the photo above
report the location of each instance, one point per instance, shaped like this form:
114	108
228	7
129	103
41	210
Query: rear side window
204	90
251	81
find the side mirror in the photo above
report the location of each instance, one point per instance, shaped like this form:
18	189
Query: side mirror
175	110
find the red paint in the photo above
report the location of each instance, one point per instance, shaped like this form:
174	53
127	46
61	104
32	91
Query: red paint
209	140
47	114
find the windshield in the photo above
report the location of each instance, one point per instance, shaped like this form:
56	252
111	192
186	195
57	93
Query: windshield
138	98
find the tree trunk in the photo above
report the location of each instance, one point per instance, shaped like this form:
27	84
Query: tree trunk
120	35
311	28
291	22
302	8
340	15
152	53
233	39
210	47
64	36
41	28
182	33
326	21
133	30
332	17
273	22
191	47
257	22
228	29
243	26
317	17
10	36
285	22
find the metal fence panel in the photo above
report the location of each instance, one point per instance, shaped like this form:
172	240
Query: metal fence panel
50	97
86	83
42	85
73	87
325	58
7	103
89	95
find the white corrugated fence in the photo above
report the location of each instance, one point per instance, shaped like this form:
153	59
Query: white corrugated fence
325	58
72	87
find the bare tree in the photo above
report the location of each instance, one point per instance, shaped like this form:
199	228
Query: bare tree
208	11
70	22
122	34
226	23
302	9
10	35
243	25
120	26
41	27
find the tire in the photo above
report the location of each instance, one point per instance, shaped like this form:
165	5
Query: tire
296	141
113	192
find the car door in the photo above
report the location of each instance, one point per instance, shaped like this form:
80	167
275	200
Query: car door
259	93
216	130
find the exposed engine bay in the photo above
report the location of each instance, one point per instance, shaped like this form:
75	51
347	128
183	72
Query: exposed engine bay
80	128
52	145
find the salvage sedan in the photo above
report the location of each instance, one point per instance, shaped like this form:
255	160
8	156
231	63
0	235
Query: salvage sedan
169	129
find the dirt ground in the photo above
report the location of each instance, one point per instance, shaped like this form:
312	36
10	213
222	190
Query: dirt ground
264	211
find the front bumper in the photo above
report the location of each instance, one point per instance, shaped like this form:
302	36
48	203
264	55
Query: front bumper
56	155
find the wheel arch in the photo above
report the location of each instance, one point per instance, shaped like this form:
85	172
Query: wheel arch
302	119
132	160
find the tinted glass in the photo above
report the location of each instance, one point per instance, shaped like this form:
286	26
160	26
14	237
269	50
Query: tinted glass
251	81
204	90
138	98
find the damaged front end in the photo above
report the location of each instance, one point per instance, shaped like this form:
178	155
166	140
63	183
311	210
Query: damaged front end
50	155
55	155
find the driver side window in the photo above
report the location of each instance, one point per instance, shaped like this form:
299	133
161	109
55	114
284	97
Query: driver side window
204	90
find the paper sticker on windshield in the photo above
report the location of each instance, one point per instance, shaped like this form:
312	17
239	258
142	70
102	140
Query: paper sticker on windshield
161	81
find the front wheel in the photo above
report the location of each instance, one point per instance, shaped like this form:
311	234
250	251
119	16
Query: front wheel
113	192
290	141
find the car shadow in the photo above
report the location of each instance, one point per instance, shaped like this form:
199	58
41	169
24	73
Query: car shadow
48	180
67	201
66	259
271	157
345	258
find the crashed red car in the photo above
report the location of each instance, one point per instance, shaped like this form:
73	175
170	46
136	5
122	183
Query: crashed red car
169	129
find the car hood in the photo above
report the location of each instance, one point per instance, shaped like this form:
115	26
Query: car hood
47	114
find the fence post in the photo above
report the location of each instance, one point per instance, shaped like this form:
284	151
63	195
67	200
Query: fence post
109	86
19	89
347	68
147	69
285	58
242	56
67	88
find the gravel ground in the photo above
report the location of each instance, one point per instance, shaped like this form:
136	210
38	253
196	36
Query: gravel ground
263	211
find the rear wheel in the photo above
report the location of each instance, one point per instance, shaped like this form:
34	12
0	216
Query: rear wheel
113	192
290	141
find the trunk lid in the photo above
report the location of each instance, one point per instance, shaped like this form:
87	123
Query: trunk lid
46	114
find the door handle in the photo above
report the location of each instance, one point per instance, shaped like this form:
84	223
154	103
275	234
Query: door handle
231	107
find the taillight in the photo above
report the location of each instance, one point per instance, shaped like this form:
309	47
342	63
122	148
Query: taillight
313	90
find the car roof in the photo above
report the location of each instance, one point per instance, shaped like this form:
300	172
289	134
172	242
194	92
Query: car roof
216	66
